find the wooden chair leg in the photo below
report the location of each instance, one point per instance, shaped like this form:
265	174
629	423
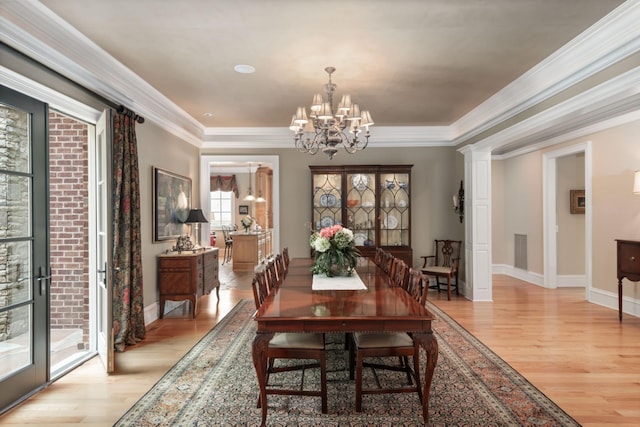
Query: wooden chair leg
359	382
448	288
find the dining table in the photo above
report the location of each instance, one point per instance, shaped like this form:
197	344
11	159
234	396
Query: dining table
343	305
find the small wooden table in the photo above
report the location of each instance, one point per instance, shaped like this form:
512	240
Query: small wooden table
628	266
295	307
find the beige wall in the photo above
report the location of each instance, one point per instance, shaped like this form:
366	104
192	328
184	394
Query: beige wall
571	234
158	148
616	211
435	178
518	209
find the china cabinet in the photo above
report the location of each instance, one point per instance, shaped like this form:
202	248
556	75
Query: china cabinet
372	200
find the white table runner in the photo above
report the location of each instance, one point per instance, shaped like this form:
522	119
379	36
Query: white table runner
339	283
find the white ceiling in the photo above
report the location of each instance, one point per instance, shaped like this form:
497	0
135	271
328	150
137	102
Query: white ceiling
410	62
427	63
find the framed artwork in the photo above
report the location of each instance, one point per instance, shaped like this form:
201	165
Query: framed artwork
171	204
243	210
577	201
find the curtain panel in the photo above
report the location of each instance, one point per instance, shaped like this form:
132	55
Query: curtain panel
224	183
128	305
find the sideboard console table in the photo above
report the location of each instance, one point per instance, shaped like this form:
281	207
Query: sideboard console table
187	275
628	266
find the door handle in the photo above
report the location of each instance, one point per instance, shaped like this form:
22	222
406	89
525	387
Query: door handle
43	279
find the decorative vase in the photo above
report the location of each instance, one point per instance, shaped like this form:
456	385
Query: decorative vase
246	230
338	269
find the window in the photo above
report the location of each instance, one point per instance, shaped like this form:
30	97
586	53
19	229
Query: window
221	208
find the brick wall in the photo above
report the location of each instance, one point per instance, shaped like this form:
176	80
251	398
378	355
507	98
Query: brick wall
68	174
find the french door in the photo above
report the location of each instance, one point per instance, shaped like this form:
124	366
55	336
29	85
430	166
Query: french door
24	247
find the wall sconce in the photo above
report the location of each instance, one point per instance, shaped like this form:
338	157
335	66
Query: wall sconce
458	202
636	182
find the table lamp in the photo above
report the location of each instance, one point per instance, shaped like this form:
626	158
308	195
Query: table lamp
196	217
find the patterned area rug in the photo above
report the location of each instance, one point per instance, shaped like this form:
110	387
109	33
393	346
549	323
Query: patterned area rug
214	384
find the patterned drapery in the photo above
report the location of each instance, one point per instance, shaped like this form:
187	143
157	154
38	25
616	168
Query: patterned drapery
128	308
224	183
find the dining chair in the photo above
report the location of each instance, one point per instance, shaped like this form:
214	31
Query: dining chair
228	243
388	344
444	263
292	345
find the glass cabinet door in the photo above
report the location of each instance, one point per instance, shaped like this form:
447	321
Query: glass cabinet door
361	207
394	209
327	200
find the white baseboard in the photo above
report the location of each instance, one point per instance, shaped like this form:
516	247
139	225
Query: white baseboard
151	313
527	276
571	280
608	299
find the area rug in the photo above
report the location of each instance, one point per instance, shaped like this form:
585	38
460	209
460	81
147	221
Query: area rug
214	384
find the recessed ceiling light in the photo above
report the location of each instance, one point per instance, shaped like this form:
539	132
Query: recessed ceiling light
244	69
208	114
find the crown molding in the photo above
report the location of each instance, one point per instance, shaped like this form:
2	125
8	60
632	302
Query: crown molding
610	40
282	137
31	28
611	103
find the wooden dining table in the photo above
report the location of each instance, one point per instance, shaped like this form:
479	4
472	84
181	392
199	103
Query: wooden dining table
295	307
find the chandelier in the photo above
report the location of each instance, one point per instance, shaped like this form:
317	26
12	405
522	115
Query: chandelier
326	130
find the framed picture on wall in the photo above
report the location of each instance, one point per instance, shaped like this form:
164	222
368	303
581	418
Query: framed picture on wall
171	204
577	201
243	210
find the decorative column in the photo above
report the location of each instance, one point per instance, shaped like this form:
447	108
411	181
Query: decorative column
478	260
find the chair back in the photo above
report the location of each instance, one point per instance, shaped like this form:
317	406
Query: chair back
271	273
260	287
280	269
399	273
379	257
226	229
417	286
387	262
286	259
447	253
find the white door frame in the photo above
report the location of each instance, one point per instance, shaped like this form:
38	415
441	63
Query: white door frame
205	193
550	211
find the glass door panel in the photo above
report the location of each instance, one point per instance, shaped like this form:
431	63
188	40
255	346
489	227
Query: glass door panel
361	207
23	245
327	200
394	209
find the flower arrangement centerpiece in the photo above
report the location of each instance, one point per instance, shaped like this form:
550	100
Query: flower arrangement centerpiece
246	222
336	253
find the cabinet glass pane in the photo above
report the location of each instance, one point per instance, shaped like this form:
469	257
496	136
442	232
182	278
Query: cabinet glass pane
361	207
327	200
394	209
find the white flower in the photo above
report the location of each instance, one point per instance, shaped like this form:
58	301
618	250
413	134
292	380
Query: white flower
321	244
348	232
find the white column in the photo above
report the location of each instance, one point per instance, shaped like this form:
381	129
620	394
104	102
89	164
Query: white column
477	187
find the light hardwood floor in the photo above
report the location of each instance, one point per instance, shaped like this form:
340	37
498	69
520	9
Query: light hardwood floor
577	353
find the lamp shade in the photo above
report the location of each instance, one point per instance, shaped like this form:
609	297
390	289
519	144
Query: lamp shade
196	216
636	183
